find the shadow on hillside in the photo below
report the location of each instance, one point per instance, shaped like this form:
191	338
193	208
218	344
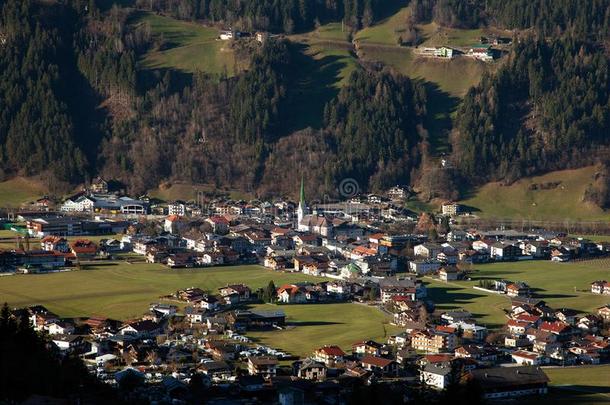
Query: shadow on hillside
315	81
439	107
391	8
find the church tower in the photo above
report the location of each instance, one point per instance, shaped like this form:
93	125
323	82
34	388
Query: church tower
302	208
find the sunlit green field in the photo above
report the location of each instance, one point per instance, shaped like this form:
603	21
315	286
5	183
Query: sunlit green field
518	201
561	285
122	290
189	47
314	325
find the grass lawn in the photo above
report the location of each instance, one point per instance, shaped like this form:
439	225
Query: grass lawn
518	201
560	284
189	47
311	326
123	291
18	190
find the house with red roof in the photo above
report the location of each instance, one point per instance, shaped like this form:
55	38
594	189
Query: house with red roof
380	365
291	294
83	249
220	224
562	330
55	243
329	355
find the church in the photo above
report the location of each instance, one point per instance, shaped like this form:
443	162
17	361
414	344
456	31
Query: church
311	223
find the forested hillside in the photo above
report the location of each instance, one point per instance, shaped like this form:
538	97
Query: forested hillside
547	108
274	15
78	101
588	18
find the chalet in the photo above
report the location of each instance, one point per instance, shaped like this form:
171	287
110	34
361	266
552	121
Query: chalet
220	225
180	260
310	369
560	255
329	355
509	382
448	273
562	330
194	315
472	256
59	328
68	343
55	243
566	315
517	290
351	272
600	287
479	353
380	365
191	294
427	250
277	262
242	290
142	329
221	351
604	312
263	366
83	249
209	302
175	224
291	294
367	348
217	370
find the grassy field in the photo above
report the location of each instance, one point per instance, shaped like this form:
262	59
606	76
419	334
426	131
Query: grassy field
562	285
579	385
189	47
123	291
311	326
18	190
518	201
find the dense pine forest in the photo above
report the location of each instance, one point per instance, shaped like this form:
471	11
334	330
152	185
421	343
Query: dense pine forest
274	15
75	104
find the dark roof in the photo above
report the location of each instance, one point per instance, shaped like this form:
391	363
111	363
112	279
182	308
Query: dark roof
507	377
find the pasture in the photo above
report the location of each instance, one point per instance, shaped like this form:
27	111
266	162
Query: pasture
561	285
187	46
121	290
563	199
313	325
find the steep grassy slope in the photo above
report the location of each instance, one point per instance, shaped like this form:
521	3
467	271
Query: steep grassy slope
188	47
18	190
519	200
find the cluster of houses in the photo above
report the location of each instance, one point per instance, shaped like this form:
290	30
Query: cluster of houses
537	334
208	340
